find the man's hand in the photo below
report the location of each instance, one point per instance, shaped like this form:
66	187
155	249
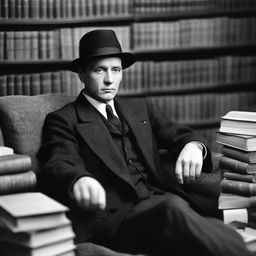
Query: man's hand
189	163
89	194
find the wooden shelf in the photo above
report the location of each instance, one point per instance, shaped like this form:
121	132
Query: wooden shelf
194	52
207	13
32	66
39	24
214	88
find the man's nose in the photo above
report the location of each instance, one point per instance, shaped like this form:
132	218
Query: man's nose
108	78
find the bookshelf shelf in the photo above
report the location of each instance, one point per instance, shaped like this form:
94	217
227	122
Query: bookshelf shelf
16	24
19	66
203	89
217	12
195	52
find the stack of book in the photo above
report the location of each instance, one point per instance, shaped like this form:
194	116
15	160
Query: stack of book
32	224
16	173
237	135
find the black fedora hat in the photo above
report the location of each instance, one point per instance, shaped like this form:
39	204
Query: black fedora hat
101	43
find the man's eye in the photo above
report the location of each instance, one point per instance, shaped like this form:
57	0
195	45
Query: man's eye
116	70
98	71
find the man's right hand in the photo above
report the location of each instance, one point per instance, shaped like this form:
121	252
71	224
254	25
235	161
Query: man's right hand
89	194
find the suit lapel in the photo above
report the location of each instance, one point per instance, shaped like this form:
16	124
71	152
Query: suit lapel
137	119
93	130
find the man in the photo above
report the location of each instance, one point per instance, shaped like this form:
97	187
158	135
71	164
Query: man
100	157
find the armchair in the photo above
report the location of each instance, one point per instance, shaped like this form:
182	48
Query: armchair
21	121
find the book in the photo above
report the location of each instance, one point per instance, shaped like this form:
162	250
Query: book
53	249
242	142
236	165
233	201
31	211
244	156
242	215
17	182
239	122
6	151
240	177
238	187
15	163
37	238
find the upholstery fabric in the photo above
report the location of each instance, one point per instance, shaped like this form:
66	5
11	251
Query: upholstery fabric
21	120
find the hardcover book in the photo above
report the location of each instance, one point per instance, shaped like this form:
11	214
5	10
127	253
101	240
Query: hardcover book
236	165
240	177
239	122
242	142
15	163
244	156
233	201
31	211
238	187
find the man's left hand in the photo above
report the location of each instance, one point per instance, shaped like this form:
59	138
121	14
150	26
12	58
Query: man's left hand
189	163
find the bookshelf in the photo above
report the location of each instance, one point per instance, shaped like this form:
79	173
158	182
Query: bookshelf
196	59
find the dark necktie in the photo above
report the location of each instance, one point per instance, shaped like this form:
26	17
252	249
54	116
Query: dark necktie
114	120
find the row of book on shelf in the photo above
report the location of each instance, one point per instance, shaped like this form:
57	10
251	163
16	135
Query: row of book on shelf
57	9
65	82
150	76
31	223
193	33
203	108
64	43
143	76
163	6
237	137
41	9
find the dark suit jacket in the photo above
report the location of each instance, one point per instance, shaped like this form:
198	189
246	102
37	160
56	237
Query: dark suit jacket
76	142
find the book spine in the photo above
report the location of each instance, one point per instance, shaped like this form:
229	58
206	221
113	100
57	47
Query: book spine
233	165
17	182
240	177
238	187
15	163
235	154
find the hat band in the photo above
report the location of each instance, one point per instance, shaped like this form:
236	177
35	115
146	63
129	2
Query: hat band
102	51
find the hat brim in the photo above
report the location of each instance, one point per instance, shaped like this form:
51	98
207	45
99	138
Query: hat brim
127	59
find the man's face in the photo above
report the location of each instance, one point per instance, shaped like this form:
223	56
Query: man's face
102	78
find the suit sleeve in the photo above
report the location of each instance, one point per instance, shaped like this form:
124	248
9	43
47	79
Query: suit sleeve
59	156
174	137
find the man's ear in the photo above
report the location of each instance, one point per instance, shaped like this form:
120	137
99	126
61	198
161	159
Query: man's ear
81	76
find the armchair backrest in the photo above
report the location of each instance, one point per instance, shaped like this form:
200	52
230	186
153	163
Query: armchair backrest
22	118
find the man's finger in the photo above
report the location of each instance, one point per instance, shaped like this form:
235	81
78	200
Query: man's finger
178	171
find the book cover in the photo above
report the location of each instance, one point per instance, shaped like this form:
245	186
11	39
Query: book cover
241	215
233	201
17	182
236	165
239	122
242	142
15	163
238	187
37	238
31	211
244	156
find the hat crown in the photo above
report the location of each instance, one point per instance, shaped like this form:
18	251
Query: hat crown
97	42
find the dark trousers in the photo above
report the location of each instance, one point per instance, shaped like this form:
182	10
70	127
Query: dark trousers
167	225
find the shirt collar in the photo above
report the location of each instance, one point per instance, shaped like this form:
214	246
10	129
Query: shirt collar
101	107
